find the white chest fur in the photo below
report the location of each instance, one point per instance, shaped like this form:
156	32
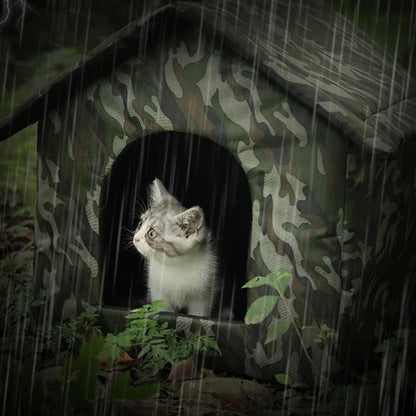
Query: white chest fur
186	281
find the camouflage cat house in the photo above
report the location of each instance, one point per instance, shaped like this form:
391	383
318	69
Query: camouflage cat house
291	127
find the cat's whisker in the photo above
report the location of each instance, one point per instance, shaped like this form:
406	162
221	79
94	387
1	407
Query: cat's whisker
127	239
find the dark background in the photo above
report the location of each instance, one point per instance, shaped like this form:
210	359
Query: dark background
52	34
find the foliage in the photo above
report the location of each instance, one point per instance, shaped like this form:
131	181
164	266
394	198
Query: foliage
84	387
387	390
18	168
31	386
286	380
70	334
17	303
397	356
76	390
158	346
262	307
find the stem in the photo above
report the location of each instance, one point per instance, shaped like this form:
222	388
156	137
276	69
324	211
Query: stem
296	329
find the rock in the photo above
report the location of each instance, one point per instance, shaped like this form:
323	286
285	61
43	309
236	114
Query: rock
226	393
185	370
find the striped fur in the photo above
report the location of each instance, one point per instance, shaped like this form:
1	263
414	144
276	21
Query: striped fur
180	255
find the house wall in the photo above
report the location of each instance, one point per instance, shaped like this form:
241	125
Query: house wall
379	257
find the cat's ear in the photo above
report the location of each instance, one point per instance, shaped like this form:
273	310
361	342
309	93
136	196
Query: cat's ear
157	192
190	221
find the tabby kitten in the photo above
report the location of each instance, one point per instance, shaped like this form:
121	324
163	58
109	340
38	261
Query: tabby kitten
179	252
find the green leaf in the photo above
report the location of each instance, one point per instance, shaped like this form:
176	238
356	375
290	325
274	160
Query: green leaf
280	280
88	351
144	351
283	379
158	304
162	353
283	279
286	380
37	302
258	281
86	385
260	309
124	340
276	329
16	229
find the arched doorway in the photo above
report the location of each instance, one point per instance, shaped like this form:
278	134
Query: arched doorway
197	171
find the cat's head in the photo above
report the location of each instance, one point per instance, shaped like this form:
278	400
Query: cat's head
167	229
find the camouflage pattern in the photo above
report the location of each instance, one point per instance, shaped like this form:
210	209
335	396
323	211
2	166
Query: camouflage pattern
320	121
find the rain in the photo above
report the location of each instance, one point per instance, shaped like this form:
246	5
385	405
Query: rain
290	125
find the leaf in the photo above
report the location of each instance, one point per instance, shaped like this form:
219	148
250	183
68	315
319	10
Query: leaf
158	304
37	302
86	385
17	229
283	379
144	351
260	309
280	279
124	340
286	380
283	279
205	342
258	281
88	351
276	329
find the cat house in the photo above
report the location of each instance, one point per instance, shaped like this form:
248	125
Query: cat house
292	130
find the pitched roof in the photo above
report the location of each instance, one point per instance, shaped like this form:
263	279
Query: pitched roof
305	47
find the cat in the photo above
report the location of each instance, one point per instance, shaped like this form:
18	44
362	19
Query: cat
180	254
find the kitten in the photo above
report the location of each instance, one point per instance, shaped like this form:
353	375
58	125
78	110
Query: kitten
179	252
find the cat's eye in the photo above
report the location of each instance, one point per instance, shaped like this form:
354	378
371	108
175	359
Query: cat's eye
152	234
139	225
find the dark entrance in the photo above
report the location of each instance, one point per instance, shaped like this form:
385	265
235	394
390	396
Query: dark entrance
196	171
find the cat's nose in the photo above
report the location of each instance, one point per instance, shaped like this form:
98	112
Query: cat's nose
136	239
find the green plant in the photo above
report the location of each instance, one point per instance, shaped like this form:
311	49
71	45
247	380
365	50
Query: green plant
286	380
76	330
18	305
18	168
289	385
263	306
157	346
84	389
75	390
